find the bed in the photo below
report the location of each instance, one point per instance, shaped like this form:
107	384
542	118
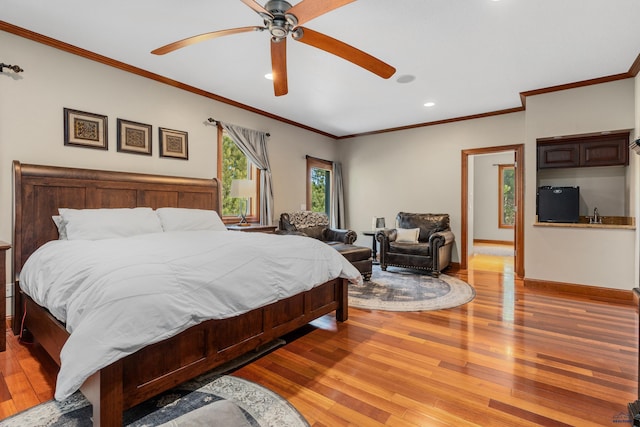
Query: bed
41	190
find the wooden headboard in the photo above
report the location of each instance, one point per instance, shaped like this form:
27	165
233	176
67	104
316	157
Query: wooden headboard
40	190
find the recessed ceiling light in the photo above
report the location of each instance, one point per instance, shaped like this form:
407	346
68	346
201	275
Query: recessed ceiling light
429	104
268	76
406	78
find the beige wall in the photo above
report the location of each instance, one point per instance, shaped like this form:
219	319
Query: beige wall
484	197
31	123
596	257
635	179
417	170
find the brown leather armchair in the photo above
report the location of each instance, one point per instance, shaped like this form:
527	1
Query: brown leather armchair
428	248
316	225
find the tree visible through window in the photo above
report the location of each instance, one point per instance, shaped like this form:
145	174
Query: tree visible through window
506	194
233	164
319	185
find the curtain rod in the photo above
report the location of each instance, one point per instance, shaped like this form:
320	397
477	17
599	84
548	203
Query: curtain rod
215	122
319	159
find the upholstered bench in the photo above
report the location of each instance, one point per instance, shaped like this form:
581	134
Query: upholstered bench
359	256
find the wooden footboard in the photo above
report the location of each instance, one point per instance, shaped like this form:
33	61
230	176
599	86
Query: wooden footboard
159	367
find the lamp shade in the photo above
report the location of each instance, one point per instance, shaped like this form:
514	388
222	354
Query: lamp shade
377	223
243	188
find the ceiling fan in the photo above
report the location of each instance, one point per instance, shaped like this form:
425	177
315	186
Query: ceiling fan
282	19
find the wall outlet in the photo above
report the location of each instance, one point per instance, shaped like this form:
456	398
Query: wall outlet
303	207
9	290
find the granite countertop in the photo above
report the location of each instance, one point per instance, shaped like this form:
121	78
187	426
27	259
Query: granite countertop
611	222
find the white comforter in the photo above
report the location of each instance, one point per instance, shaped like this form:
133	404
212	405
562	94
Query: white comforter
119	295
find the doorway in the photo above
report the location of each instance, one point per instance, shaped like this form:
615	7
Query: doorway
519	204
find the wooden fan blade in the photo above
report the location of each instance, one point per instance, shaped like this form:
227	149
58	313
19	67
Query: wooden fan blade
279	66
258	8
202	37
344	51
306	10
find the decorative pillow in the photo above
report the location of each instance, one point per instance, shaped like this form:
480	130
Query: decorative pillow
61	225
97	224
407	235
304	219
181	219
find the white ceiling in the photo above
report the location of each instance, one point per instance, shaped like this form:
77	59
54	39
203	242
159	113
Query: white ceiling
468	56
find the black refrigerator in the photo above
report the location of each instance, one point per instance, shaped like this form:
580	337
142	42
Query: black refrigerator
558	204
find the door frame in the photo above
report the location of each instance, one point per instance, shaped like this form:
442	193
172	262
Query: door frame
518	150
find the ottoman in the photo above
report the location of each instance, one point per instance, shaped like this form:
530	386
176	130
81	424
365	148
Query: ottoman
359	256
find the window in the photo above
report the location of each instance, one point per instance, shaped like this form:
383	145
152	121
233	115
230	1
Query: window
233	164
319	187
506	196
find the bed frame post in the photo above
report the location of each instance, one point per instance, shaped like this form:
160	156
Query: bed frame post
17	248
104	390
342	312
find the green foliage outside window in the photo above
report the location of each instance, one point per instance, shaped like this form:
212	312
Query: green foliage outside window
234	166
508	196
320	190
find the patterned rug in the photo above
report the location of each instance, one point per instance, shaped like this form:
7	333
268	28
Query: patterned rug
209	400
401	289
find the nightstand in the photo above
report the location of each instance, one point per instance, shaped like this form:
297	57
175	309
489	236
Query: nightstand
253	228
4	247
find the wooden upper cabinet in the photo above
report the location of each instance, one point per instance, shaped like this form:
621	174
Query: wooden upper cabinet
584	151
558	156
605	153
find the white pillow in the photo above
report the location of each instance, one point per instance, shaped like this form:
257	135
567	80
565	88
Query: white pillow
181	219
97	224
61	225
407	235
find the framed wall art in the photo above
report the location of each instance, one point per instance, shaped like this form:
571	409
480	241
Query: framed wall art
82	129
134	137
174	144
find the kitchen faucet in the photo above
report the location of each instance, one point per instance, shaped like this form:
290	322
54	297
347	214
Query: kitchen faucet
597	219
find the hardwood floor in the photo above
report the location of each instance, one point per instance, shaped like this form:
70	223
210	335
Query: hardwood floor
512	356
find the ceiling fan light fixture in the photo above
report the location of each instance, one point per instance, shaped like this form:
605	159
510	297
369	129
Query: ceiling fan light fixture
278	28
297	33
291	19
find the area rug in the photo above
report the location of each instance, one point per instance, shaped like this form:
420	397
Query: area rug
209	400
401	289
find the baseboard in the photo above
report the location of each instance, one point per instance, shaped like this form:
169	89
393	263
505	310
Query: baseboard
617	296
494	242
453	267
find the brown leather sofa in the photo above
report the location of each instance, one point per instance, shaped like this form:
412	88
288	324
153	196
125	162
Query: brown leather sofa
316	225
427	248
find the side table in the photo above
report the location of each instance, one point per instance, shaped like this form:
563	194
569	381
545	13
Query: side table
253	228
4	247
374	245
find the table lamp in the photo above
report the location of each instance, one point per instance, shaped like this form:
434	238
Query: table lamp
377	223
243	189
